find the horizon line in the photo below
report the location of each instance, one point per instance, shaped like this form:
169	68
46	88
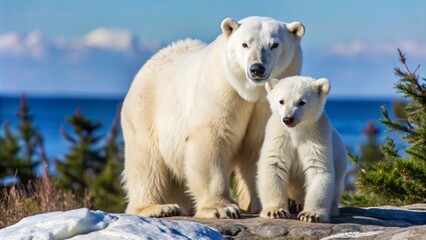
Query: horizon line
122	96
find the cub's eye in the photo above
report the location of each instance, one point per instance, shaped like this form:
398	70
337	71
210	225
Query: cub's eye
281	102
301	103
275	45
245	45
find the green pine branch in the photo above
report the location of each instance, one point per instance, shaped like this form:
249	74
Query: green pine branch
399	179
19	149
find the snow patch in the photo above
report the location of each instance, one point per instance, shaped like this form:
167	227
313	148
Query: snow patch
58	225
86	224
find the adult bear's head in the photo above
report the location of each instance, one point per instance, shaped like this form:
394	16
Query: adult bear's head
261	47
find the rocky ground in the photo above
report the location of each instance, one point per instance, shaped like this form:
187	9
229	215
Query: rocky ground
408	222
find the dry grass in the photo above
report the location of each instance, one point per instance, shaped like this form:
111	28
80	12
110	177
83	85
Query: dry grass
39	196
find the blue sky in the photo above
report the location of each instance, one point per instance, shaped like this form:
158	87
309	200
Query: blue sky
94	48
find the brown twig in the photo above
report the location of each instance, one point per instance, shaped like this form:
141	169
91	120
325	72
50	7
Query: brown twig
43	156
412	74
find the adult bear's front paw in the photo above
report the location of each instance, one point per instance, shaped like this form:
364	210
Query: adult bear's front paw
313	216
275	213
158	210
227	211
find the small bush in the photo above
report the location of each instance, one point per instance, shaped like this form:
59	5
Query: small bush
39	196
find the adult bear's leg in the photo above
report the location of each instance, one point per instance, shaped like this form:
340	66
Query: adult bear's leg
147	181
207	168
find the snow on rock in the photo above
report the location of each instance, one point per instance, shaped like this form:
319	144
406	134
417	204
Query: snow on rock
135	227
87	224
58	225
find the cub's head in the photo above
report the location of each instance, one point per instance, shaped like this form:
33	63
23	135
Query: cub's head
298	100
260	48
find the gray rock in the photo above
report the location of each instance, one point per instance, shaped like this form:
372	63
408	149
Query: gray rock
232	230
378	223
268	230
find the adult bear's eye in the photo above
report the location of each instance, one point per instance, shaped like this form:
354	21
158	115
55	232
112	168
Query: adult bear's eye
245	45
281	102
301	103
275	45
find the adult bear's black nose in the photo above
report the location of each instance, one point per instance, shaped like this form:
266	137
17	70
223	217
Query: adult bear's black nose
257	70
288	120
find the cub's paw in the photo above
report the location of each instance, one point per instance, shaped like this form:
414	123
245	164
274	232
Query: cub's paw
275	213
312	216
160	210
227	211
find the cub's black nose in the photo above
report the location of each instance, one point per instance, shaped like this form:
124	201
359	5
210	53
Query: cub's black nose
288	120
257	70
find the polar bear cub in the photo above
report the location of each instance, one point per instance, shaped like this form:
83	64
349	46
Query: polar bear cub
302	158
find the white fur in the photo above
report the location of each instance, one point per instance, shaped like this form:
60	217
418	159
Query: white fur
191	118
304	161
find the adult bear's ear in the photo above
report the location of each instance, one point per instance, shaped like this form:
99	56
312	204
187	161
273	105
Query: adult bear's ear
271	84
296	29
228	26
323	87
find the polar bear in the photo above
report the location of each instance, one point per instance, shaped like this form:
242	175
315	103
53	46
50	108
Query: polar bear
195	113
303	157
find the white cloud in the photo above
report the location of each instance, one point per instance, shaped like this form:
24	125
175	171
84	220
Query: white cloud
102	62
34	44
115	39
18	45
361	69
348	49
11	43
410	47
414	48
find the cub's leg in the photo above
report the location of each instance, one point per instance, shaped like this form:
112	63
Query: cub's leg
319	175
273	173
296	188
340	169
339	187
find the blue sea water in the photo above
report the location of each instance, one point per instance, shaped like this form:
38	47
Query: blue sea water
348	116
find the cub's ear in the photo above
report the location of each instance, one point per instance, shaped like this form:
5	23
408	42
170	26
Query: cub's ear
271	84
228	26
323	87
296	29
